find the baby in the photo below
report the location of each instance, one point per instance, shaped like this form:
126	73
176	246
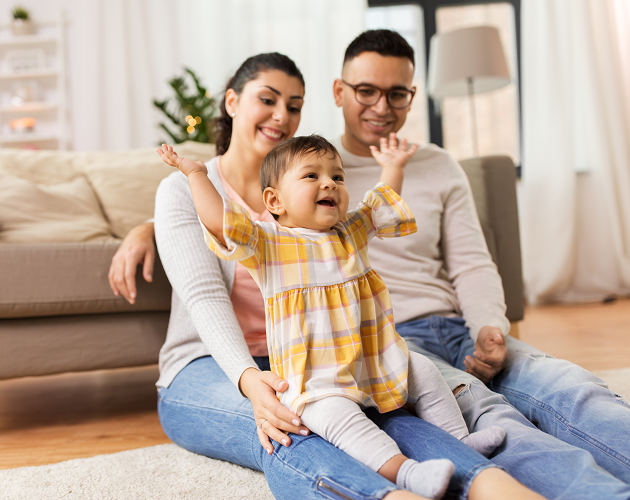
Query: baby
330	327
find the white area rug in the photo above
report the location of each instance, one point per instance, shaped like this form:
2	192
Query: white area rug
162	472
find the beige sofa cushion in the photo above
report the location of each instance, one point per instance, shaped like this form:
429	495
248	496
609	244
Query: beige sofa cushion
65	212
42	167
126	184
127	192
61	279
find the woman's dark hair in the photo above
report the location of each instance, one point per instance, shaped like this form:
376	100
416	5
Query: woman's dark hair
383	42
249	71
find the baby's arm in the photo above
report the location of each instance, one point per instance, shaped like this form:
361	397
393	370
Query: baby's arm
393	160
208	202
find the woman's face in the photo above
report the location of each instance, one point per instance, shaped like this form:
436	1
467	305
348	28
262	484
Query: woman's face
267	111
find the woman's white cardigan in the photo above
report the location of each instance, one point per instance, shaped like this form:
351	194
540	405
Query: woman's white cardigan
202	319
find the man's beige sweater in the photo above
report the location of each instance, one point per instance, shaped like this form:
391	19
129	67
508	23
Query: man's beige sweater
445	268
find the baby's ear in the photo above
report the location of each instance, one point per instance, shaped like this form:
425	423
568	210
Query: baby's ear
271	198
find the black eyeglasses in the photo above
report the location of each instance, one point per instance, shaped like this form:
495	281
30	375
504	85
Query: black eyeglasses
368	95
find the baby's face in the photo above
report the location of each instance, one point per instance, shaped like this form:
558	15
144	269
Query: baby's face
313	193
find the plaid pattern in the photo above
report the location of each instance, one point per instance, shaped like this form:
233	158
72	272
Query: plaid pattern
330	327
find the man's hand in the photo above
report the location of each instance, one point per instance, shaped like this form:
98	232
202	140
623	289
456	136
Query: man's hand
136	248
490	354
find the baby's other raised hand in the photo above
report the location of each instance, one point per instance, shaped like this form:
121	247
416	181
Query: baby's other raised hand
391	154
186	166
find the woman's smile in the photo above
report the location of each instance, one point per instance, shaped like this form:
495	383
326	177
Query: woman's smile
272	133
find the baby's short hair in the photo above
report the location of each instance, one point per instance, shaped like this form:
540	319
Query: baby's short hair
285	154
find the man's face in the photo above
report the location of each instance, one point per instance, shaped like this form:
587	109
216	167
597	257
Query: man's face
365	125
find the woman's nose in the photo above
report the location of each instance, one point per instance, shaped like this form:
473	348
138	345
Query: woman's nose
280	114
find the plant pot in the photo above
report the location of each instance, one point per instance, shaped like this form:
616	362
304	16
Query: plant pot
22	27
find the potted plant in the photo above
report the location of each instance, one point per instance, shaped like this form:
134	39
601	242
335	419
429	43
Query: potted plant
22	24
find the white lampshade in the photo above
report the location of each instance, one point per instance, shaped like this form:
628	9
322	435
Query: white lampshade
471	53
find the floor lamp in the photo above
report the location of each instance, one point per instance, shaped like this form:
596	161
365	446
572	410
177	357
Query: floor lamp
466	62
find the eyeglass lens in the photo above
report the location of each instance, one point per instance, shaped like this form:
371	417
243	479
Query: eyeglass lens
397	98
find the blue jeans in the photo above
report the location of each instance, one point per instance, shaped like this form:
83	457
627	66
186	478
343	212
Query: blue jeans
568	436
202	411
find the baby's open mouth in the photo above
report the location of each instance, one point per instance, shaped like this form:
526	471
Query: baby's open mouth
327	202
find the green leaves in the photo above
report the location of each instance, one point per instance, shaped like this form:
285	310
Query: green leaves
20	12
190	111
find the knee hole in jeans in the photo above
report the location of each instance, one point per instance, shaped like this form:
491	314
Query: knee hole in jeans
460	389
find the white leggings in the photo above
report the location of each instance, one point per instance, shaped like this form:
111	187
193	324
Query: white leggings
341	421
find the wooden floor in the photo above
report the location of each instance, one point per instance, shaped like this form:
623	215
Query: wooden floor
50	419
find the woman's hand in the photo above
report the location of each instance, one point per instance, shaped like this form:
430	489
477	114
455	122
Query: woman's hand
271	417
137	248
186	166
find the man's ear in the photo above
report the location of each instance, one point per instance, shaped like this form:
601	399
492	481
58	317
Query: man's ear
271	198
231	98
338	92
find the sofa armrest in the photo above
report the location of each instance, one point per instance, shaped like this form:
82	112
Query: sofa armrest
493	183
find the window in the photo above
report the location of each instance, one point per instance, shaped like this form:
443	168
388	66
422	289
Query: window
498	111
407	20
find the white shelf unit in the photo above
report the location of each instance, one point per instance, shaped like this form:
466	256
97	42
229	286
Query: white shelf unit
50	109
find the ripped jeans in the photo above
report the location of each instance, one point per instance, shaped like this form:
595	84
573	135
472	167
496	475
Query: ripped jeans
203	411
568	436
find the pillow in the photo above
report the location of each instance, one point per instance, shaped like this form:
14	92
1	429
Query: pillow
36	213
43	167
127	192
126	184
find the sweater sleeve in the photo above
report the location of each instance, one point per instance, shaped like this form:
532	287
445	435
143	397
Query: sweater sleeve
470	268
196	276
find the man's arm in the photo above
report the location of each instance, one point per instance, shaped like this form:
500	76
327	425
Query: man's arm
474	276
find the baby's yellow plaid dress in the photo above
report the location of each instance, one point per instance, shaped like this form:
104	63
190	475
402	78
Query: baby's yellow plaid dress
330	327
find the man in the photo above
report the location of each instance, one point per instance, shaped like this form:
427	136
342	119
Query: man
448	300
449	304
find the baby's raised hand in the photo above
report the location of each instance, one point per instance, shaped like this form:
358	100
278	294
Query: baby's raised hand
391	153
186	166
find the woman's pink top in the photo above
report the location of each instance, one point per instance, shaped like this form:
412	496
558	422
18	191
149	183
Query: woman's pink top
248	302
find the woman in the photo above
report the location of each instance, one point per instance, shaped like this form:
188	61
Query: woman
218	310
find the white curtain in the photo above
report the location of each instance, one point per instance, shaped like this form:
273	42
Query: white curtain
121	53
575	190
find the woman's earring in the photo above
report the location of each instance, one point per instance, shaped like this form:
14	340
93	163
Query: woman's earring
233	115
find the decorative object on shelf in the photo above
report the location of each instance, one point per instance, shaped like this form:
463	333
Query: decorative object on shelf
24	92
191	111
24	125
22	24
466	62
26	61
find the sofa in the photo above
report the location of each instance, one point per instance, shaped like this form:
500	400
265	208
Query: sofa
62	217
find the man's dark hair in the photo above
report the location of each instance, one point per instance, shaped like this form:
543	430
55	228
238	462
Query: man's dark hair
383	42
285	154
